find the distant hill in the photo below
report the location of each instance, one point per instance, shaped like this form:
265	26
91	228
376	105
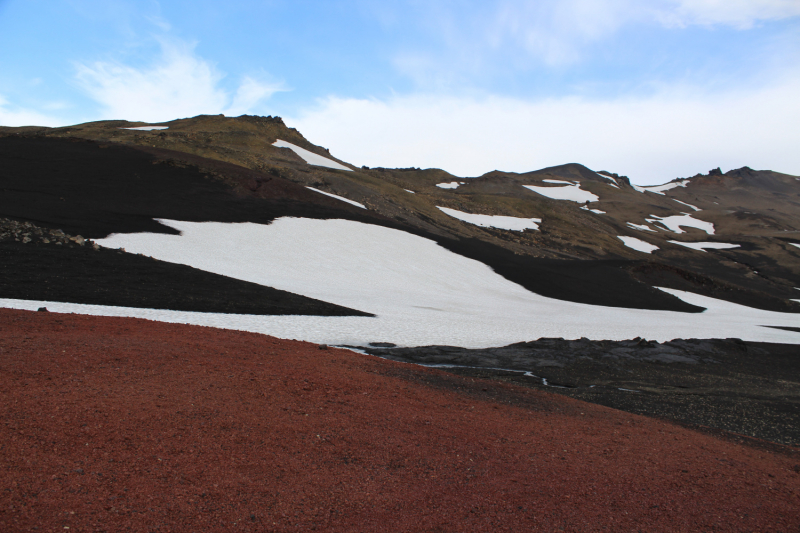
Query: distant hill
600	238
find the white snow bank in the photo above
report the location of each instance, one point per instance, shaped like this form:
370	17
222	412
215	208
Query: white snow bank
674	223
352	202
572	192
702	246
687	205
595	211
421	293
638	244
310	157
659	189
147	128
494	221
412	192
641	227
794	243
451	185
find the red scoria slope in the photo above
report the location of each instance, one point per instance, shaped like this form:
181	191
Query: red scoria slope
113	424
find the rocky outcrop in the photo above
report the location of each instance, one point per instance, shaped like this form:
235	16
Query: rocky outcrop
26	232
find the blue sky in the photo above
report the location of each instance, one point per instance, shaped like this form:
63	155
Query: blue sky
652	89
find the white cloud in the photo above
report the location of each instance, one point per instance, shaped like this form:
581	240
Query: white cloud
178	84
653	140
741	14
16	116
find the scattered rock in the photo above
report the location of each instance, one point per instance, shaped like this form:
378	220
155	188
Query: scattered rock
43	310
27	232
323	346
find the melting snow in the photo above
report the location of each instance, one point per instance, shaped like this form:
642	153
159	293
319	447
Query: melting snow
147	128
596	211
674	223
638	244
572	192
451	185
494	221
688	205
641	227
702	246
421	293
310	157
362	206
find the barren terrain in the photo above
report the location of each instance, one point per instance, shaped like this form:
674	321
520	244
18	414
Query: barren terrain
122	424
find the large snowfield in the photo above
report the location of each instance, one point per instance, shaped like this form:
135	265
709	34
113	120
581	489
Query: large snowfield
420	292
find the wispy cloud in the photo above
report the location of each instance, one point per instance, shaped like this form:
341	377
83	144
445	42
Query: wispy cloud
179	83
740	14
653	139
554	32
17	116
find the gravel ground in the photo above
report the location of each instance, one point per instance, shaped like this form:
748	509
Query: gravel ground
114	424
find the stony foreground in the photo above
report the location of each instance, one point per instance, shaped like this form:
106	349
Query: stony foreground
115	424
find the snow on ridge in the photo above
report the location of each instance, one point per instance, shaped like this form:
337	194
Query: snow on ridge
310	157
451	185
659	189
571	192
494	221
609	178
687	205
641	227
638	244
702	246
421	293
147	128
673	223
352	202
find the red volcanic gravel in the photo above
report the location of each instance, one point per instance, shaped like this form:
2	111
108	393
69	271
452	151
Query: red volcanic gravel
116	424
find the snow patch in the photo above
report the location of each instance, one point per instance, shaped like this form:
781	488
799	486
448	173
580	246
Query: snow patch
596	211
794	243
609	178
562	181
352	202
310	157
451	185
147	128
703	246
687	205
641	227
421	293
572	192
494	221
412	192
674	223
638	244
659	189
